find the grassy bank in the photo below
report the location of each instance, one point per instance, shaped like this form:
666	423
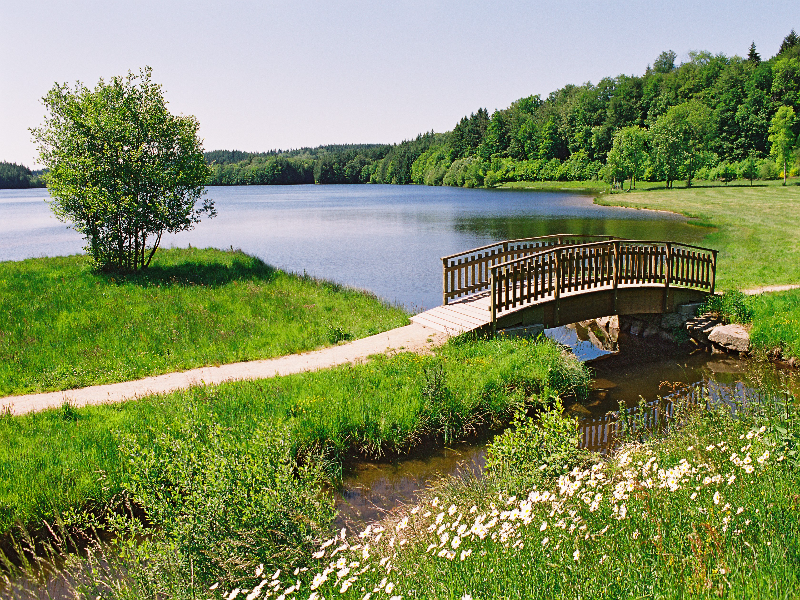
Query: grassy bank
708	511
65	326
754	228
64	461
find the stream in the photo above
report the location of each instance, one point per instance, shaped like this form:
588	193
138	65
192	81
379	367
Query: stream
639	369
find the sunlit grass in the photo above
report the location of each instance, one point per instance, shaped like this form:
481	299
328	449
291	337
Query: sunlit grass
63	325
68	460
709	511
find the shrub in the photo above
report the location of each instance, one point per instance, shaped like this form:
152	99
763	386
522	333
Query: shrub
732	306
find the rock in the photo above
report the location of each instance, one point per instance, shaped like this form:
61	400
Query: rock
577	410
637	327
602	384
650	331
666	336
700	327
672	321
689	310
731	337
793	362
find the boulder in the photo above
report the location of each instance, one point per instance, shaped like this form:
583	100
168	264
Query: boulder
700	327
672	321
689	310
650	331
731	337
577	410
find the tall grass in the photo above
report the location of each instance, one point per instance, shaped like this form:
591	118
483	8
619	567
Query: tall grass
68	462
708	511
64	325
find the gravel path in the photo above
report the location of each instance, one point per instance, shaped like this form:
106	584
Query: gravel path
771	288
414	337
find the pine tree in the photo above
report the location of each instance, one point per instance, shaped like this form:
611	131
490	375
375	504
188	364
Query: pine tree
753	56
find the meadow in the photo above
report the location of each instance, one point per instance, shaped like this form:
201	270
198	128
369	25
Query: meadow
64	325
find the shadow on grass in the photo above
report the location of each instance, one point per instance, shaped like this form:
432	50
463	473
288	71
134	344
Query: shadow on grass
192	271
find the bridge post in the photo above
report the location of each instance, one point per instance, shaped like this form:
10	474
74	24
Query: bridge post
444	281
667	277
616	274
713	270
493	307
557	291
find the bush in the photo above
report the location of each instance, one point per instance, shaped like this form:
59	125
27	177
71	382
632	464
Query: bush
732	306
535	449
220	506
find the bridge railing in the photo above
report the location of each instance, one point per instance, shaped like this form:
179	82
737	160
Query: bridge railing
470	272
550	273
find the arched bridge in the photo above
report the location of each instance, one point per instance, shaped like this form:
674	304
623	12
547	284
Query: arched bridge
559	279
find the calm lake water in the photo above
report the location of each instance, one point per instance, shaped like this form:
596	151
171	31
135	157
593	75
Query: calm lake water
384	238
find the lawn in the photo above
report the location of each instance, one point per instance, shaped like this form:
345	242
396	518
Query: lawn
64	325
754	228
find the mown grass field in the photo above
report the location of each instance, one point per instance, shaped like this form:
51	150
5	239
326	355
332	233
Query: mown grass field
62	462
63	325
754	228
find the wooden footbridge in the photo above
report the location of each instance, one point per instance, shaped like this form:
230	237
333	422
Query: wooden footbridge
559	279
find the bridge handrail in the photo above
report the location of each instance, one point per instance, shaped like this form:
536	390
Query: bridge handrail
548	273
468	272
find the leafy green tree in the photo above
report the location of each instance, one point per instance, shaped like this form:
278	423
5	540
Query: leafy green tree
122	169
782	137
749	169
628	154
665	63
679	139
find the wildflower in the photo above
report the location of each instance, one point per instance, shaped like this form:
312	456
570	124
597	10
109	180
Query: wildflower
389	588
466	597
215	586
402	524
762	459
452	510
740	510
233	594
276	574
318	580
716	497
456	542
545	541
636	534
693	496
465	553
543	526
576	555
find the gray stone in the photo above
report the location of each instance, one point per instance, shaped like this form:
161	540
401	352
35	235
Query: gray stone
637	327
689	310
731	337
672	321
650	331
700	327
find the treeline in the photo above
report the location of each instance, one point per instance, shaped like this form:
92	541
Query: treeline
14	176
710	117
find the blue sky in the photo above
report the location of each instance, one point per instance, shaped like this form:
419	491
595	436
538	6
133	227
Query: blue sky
260	74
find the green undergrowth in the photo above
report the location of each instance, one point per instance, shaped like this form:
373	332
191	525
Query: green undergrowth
773	317
69	462
706	510
64	325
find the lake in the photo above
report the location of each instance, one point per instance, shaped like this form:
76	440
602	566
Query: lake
384	238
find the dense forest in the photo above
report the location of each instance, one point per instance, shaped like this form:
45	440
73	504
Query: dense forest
14	176
713	117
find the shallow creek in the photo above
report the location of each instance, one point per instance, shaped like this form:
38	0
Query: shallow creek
638	370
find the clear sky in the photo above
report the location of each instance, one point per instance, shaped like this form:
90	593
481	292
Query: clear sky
260	74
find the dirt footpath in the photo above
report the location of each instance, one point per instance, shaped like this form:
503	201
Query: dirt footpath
414	337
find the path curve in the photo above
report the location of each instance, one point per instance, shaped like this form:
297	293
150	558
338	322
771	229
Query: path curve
771	288
414	338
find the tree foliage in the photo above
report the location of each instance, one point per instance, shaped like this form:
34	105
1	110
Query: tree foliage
782	137
122	169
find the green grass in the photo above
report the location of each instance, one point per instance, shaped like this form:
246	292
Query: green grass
576	186
67	460
754	228
63	325
709	511
776	322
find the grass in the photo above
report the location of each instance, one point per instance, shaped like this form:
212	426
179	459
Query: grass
65	326
710	510
754	228
576	186
67	461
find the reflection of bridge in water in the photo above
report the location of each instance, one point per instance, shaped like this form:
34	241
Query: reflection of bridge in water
560	279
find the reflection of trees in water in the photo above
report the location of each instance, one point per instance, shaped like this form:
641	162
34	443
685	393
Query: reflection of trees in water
514	227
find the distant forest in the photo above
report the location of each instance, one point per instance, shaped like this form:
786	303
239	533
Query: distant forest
707	118
14	176
713	117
